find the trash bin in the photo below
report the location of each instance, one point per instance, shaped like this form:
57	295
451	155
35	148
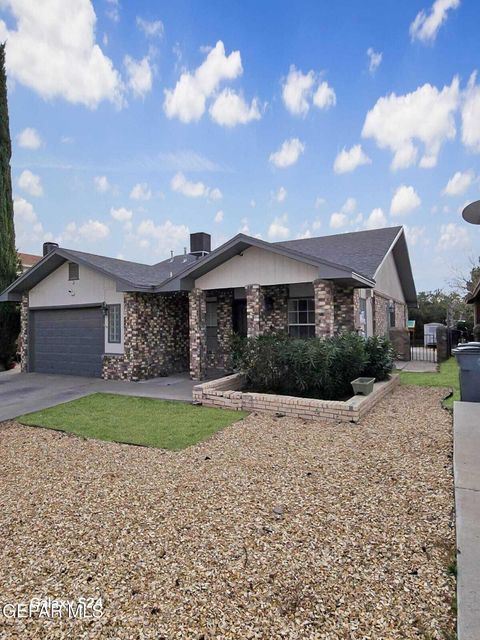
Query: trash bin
468	358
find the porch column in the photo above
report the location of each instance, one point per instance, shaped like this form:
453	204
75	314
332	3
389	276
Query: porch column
224	327
197	312
254	297
344	309
324	308
24	331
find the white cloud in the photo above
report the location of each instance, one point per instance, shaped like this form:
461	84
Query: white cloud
349	206
101	184
288	153
67	140
113	12
426	26
91	231
338	220
374	60
414	234
187	100
471	115
405	199
426	114
280	195
53	51
180	184
459	183
151	28
324	97
319	202
453	236
30	183
253	204
230	109
140	192
29	138
349	160
376	220
29	231
166	237
219	216
140	76
278	229
121	214
297	92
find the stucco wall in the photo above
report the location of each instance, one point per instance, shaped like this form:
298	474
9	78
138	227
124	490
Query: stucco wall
56	290
387	280
257	266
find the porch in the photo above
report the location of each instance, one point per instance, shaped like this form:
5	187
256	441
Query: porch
304	309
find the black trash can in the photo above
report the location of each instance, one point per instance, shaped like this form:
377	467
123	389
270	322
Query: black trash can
468	358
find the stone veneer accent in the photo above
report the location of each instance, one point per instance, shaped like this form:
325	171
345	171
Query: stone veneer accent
400	314
24	333
344	309
198	333
254	297
224	328
380	315
324	308
274	312
226	393
155	337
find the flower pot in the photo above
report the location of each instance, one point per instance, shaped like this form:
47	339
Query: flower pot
363	385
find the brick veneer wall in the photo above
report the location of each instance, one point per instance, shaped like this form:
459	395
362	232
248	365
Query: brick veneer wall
274	315
324	307
198	333
380	315
24	333
344	309
224	328
254	297
400	315
155	337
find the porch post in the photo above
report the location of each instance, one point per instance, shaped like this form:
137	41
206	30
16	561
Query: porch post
344	308
254	306
324	308
197	312
24	334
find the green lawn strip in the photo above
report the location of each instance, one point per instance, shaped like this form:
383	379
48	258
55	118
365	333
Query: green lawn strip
144	421
446	377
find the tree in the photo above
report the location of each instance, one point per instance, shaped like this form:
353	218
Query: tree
438	306
9	312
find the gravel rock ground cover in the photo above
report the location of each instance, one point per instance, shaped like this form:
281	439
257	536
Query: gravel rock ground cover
273	528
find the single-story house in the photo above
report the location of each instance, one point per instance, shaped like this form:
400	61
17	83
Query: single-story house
91	315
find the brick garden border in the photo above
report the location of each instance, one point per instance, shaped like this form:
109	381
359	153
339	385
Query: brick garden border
227	393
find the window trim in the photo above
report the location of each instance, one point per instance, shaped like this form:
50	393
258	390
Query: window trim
111	309
297	311
70	277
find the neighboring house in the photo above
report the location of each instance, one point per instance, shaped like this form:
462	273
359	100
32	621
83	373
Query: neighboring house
474	298
27	260
91	315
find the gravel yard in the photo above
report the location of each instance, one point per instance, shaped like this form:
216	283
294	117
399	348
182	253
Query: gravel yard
273	528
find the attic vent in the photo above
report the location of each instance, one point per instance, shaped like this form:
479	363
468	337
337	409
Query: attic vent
72	271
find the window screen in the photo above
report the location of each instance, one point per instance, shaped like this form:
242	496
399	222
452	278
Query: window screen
301	317
114	323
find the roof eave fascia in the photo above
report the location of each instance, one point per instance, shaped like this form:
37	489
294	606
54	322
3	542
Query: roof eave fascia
6	296
369	282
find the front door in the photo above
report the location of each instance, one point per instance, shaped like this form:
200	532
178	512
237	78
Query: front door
240	317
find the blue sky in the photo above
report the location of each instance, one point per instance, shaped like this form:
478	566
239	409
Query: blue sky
135	123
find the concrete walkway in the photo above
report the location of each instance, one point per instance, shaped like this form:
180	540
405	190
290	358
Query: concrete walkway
25	392
467	503
416	366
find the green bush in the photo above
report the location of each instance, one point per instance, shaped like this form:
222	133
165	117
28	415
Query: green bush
380	356
317	367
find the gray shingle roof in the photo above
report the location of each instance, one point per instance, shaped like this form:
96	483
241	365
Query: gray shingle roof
363	251
143	275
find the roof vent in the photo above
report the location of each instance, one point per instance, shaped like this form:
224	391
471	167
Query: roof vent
171	256
48	247
184	254
200	244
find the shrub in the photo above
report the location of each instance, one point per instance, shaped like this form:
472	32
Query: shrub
319	368
380	355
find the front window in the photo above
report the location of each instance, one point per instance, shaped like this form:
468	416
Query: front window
114	323
301	317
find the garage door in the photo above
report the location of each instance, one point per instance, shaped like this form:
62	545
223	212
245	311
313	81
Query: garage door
67	341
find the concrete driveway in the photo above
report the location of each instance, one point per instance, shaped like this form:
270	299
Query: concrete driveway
25	392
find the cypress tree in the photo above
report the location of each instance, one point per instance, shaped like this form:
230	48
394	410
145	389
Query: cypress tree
9	311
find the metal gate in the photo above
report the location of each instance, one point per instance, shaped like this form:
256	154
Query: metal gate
423	350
